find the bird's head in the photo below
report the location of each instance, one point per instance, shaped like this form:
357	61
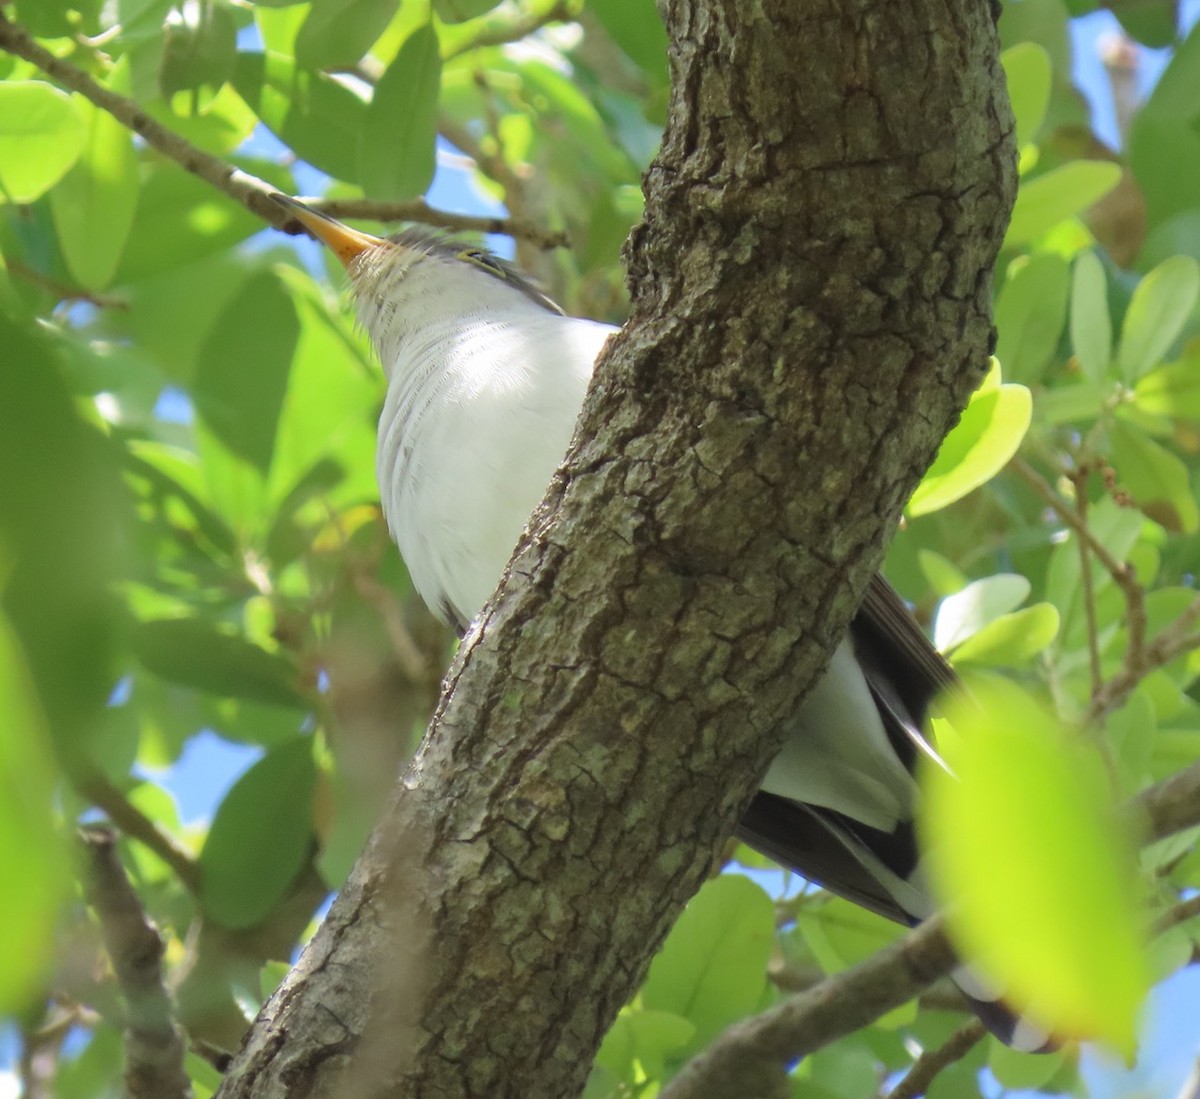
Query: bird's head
391	275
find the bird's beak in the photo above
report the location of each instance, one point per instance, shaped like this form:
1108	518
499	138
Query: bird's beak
345	243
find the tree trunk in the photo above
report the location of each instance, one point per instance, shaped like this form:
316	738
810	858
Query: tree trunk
811	310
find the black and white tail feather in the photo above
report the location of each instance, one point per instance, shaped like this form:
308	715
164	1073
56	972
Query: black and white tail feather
880	868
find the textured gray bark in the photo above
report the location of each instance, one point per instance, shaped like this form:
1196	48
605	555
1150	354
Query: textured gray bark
811	311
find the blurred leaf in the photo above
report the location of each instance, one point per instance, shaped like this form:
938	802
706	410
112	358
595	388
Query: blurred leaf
1045	905
979	446
1156	479
180	218
1027	70
94	203
637	28
397	156
1160	307
330	410
639	1042
194	652
1030	314
1153	23
1061	193
967	611
31	852
841	934
1164	140
261	837
199	44
242	370
336	33
1071	403
218	125
1091	327
713	967
1011	639
319	118
41	136
1172	390
63	516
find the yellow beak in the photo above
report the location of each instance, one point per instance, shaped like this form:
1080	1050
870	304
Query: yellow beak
345	243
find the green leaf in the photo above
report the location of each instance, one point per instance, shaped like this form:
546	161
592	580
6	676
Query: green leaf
1160	307
318	118
41	136
1172	390
966	612
330	410
336	33
1151	22
194	652
1027	70
1071	403
32	858
1061	193
1030	315
1164	140
180	218
987	436
841	934
637	28
1091	326
1026	845
94	203
1156	479
242	370
199	44
397	157
261	837
639	1042
1011	639
713	967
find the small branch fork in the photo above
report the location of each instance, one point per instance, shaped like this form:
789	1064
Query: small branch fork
242	187
1141	657
154	1045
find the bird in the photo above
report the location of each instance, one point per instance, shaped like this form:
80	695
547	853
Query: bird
472	349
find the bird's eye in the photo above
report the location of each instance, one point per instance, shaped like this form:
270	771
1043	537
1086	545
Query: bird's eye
485	260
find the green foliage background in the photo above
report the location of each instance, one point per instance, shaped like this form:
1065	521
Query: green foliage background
232	573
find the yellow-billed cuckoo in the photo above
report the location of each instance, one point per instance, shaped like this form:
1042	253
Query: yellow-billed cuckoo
472	350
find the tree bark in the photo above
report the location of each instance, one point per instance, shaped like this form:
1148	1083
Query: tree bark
811	293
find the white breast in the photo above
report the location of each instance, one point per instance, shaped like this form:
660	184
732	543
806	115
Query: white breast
478	416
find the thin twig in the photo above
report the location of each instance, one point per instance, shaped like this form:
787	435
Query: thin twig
1080	480
65	292
932	1061
1178	638
242	187
1118	570
1177	914
136	825
1141	657
154	1045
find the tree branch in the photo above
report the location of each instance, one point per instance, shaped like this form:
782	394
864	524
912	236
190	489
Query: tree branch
133	823
243	187
154	1046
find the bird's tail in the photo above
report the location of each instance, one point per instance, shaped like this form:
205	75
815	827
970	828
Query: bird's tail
880	871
